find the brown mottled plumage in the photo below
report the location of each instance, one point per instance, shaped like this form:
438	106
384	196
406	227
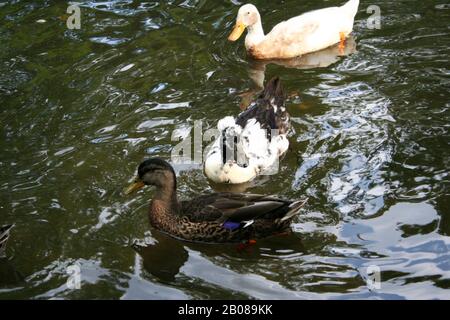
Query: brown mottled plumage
213	218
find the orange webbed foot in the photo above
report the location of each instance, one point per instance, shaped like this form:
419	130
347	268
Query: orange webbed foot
246	245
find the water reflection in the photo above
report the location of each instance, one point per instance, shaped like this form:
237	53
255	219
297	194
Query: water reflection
165	257
10	277
239	188
319	59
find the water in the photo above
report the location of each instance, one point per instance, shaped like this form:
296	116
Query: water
81	108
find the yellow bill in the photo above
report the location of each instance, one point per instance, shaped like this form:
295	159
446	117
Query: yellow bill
238	30
135	186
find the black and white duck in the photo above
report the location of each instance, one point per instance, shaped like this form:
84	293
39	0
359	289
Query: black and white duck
252	143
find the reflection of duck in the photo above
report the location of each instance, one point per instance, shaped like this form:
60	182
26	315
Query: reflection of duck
319	59
213	218
309	32
239	188
155	257
252	143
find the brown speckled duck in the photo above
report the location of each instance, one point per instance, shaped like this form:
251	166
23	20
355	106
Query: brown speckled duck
212	218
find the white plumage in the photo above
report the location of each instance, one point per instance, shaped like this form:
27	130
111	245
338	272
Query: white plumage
309	32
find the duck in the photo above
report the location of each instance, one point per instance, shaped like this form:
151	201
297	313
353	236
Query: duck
211	218
252	143
309	32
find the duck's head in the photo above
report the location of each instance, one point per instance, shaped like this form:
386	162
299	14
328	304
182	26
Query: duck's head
247	17
153	172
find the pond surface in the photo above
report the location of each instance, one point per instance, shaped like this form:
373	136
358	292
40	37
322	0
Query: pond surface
81	108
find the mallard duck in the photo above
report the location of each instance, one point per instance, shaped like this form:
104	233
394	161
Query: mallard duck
252	143
309	32
4	236
213	218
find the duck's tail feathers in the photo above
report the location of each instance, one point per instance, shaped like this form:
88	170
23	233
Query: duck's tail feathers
4	235
274	90
294	210
351	7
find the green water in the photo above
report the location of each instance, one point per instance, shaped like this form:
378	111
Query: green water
81	108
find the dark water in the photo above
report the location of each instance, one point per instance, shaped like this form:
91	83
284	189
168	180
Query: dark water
81	108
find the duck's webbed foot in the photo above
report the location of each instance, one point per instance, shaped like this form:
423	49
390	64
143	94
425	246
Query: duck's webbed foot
246	245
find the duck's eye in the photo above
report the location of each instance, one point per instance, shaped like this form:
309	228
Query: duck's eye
248	12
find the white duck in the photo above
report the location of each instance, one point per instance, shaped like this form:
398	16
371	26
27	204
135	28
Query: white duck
309	32
252	143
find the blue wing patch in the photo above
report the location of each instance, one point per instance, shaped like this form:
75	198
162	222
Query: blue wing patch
231	225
